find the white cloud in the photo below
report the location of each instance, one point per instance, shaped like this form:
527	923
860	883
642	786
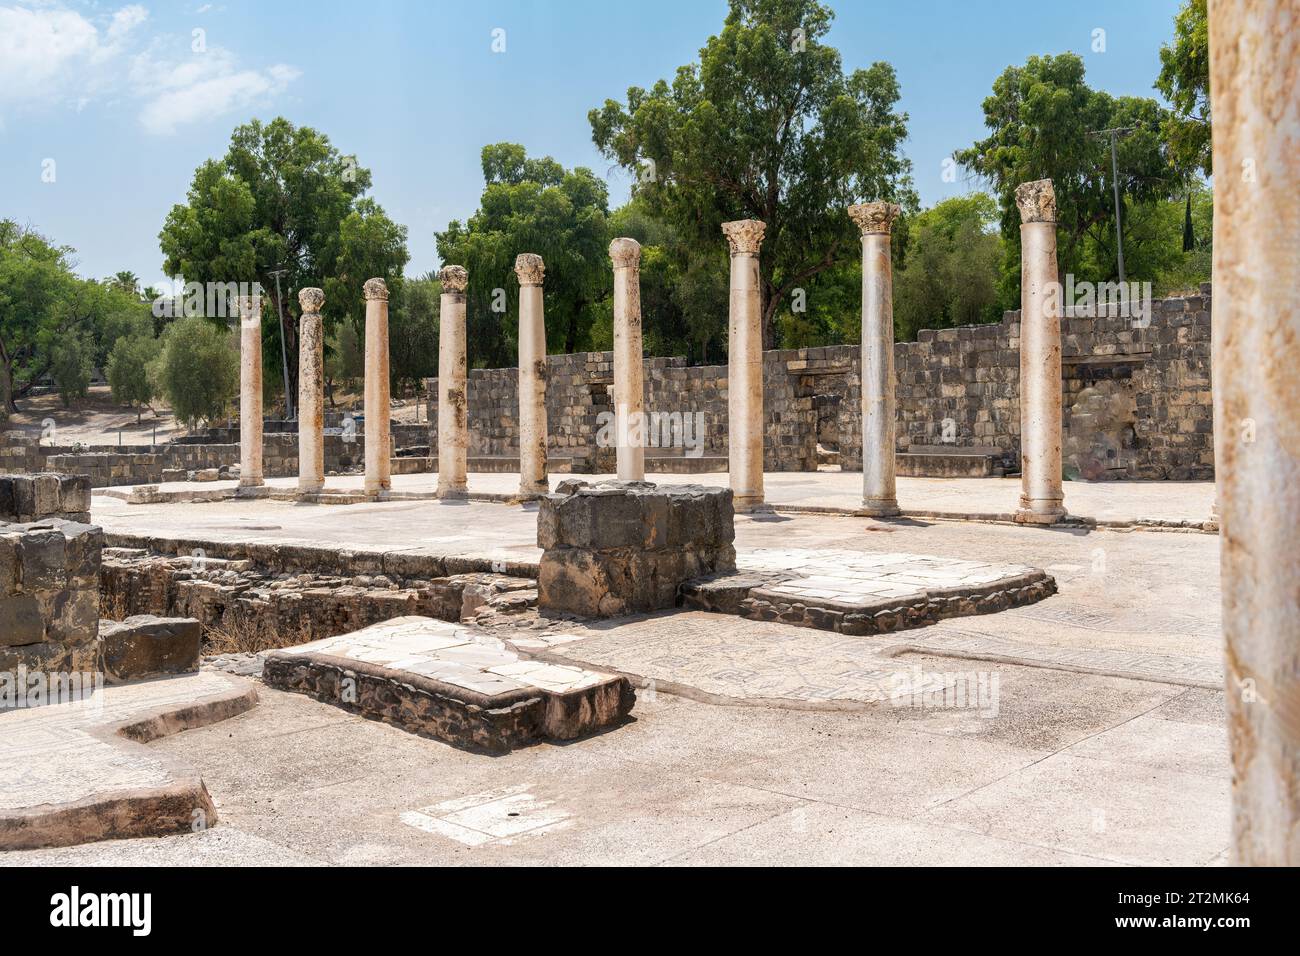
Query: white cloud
53	56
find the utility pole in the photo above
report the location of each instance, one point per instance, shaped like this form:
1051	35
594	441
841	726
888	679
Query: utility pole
284	353
1114	182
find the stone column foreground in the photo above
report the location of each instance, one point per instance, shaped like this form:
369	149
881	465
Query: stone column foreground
378	411
879	494
250	390
532	377
629	381
1041	496
745	364
453	386
311	393
1255	99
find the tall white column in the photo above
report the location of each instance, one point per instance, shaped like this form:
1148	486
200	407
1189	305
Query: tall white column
453	386
876	219
532	377
250	390
1255	101
1041	496
311	392
629	382
745	365
379	463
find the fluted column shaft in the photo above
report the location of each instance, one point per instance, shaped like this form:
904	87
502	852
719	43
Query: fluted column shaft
532	377
745	364
377	396
453	387
629	382
311	392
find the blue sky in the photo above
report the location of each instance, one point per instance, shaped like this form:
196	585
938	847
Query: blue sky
117	96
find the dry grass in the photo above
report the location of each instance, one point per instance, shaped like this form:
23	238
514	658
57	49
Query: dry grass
239	635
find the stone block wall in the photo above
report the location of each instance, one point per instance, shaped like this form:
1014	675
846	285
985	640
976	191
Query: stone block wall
1137	400
28	498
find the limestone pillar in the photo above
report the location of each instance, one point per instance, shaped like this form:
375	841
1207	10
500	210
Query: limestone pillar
1255	100
378	412
311	393
745	365
453	387
532	377
250	390
1041	497
629	382
876	219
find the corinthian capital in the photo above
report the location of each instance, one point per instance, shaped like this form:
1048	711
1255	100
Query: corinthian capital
744	236
1036	201
311	300
454	279
530	268
874	217
625	253
375	289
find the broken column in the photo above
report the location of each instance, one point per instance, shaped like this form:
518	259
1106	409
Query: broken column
876	219
629	385
1041	496
311	393
622	547
378	413
745	365
1254	49
453	386
250	390
532	377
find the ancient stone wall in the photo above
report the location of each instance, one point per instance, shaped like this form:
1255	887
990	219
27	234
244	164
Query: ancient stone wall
1137	400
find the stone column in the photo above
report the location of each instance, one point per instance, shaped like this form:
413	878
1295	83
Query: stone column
311	393
532	377
1041	497
629	381
745	365
378	413
876	219
1254	52
250	390
453	387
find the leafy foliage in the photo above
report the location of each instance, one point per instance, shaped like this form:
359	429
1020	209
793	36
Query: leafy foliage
197	370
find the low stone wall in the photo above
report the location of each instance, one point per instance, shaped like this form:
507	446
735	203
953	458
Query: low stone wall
27	498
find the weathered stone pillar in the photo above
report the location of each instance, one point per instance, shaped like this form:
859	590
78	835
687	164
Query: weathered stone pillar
532	377
379	463
629	382
745	365
453	387
1255	99
876	219
250	390
311	393
1041	496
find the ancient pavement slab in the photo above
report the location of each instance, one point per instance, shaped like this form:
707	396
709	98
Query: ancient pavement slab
864	592
77	771
451	682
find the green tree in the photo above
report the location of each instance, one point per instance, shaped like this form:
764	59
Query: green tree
413	332
950	276
766	125
531	205
345	360
35	283
128	370
1185	81
72	362
1041	116
284	198
197	370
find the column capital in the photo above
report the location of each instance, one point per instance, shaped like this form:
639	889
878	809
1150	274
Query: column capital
1036	201
530	268
454	279
375	289
249	306
311	300
625	253
744	236
875	218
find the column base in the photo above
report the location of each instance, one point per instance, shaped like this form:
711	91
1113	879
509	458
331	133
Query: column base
753	505
453	494
531	490
311	487
251	482
880	507
378	488
1043	511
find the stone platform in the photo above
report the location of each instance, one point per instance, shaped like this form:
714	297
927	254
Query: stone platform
453	683
863	592
76	771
